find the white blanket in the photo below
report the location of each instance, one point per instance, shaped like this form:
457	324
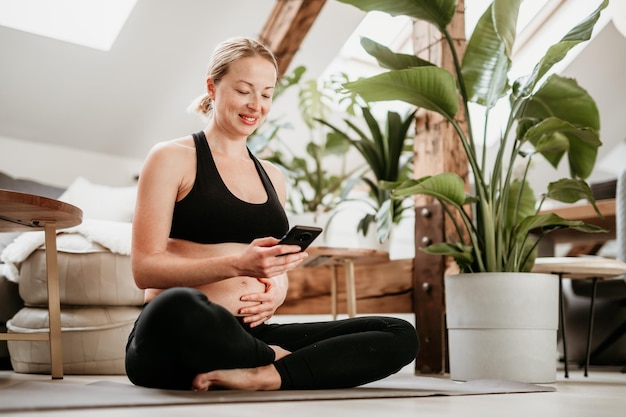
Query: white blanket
112	235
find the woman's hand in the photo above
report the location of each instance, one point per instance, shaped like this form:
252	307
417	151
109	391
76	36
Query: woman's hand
273	297
261	258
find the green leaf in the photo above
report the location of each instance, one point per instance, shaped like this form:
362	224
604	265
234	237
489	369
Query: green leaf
553	137
552	147
462	254
581	157
446	186
288	80
521	202
335	144
485	63
397	135
552	125
437	12
505	13
432	88
313	102
581	33
377	142
389	59
569	190
384	221
562	98
549	222
551	143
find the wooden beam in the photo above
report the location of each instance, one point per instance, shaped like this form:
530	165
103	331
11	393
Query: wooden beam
287	27
437	149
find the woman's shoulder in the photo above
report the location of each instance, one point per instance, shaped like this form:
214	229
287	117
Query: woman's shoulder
174	156
175	149
171	165
181	144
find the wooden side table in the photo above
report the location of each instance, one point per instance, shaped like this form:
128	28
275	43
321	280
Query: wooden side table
348	257
21	212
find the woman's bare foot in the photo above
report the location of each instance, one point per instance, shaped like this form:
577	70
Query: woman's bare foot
264	378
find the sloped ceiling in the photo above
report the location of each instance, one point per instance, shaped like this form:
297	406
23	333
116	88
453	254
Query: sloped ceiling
123	101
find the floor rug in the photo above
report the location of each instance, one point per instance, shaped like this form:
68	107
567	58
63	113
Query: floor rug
56	395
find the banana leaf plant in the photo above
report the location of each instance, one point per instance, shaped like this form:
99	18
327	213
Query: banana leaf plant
387	152
550	115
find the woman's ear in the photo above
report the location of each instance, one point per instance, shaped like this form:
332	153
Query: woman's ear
210	88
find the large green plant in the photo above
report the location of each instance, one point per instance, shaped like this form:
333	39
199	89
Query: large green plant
550	115
387	151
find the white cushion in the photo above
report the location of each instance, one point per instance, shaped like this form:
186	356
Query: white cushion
101	201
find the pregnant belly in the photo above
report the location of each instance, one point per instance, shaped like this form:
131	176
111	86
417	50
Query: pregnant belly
228	292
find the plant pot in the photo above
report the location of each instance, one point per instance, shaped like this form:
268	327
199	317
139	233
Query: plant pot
370	240
502	326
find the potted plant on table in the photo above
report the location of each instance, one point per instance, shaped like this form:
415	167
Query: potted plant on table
387	152
550	116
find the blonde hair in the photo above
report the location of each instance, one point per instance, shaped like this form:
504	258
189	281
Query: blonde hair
223	56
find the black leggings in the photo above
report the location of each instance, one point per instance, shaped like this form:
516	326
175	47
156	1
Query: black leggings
181	333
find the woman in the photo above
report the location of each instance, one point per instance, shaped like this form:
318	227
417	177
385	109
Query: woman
207	222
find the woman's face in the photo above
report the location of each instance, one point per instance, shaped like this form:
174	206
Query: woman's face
243	97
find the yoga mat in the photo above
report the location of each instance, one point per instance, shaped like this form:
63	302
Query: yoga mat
40	396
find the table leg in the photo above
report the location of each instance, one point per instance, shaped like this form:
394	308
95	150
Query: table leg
350	290
562	324
54	304
333	292
590	325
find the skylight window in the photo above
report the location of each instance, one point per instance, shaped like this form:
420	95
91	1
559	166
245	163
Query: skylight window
91	23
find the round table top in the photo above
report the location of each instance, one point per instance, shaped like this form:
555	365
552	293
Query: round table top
21	212
581	267
328	256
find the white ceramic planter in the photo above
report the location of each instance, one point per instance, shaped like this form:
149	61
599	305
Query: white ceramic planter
502	326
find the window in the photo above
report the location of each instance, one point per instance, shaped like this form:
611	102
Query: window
92	23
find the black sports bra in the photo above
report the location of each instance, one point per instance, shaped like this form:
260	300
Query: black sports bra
210	213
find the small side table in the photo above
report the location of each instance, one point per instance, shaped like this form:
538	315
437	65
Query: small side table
21	212
348	257
593	268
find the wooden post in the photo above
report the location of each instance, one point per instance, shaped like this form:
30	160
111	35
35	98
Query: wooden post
287	26
437	149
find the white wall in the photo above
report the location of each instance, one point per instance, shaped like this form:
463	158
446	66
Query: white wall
59	165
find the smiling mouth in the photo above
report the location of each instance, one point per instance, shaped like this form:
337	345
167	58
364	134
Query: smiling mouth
248	118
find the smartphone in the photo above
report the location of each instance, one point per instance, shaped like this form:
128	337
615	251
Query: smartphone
299	235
